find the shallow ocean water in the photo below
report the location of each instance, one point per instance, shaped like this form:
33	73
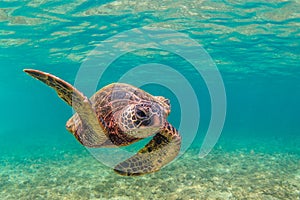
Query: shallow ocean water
255	46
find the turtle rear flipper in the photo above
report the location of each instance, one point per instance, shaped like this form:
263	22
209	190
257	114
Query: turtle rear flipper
162	149
79	102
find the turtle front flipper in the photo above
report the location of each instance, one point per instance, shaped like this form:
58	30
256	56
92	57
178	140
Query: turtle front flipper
162	149
95	136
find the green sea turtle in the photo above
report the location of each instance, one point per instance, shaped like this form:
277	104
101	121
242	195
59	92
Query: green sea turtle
119	115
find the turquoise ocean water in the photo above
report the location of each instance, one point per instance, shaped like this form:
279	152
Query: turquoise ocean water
255	46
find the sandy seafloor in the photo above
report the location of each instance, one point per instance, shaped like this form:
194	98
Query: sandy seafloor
233	170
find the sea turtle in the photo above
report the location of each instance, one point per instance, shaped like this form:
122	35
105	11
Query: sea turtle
118	115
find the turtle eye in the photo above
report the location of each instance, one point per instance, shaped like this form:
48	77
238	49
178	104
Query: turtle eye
141	114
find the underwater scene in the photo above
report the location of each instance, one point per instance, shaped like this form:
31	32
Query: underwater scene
218	106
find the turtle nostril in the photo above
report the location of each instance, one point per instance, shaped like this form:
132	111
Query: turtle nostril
70	128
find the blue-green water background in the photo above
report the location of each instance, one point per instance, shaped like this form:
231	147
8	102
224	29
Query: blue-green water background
255	46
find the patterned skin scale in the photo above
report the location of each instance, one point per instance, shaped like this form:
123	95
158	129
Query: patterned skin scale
119	115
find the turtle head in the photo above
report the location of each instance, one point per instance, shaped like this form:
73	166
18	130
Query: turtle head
142	120
73	124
